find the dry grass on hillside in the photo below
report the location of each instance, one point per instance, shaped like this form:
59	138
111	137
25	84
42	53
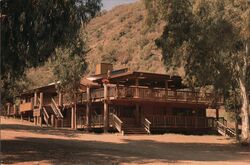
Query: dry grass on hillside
121	37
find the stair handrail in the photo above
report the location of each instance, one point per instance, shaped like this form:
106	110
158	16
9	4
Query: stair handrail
58	110
54	109
117	122
45	115
225	130
45	112
146	124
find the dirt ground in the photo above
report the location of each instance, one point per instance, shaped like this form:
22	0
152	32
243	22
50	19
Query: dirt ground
23	143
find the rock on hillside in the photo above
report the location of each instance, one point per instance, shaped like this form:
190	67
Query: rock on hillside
121	37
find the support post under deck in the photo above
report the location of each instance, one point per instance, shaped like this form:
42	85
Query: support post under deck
217	113
35	120
88	109
73	118
106	109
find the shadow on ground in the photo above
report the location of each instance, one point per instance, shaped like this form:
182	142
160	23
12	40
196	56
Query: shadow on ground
42	130
67	151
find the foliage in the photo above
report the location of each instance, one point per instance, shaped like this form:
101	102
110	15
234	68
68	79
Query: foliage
68	66
31	31
209	38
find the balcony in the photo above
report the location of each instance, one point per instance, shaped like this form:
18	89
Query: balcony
26	107
152	94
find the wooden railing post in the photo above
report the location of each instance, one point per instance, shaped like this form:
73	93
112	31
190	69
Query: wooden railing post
41	100
40	109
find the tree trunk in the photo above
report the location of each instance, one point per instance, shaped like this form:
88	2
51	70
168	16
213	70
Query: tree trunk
237	137
245	101
245	112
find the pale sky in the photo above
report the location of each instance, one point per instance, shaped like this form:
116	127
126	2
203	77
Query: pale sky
109	4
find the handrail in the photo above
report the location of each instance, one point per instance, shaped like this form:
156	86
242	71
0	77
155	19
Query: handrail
57	109
45	115
117	122
54	109
224	129
44	110
146	124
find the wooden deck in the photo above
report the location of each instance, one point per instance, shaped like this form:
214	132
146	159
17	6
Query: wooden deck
153	94
156	122
183	122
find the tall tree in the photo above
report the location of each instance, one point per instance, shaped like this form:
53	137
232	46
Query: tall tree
209	37
31	30
68	67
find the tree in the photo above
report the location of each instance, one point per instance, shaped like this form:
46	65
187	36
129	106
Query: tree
209	38
68	67
31	31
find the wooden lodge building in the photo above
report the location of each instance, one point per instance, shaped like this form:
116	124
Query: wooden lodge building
121	100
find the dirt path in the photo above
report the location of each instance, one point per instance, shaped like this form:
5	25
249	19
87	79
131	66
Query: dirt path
23	143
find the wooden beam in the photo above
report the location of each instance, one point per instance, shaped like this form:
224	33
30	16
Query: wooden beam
73	118
52	120
217	113
41	101
35	98
88	109
106	108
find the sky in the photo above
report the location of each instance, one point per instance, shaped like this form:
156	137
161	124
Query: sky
109	4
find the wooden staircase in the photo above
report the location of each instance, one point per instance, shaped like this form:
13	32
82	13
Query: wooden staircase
131	127
223	129
45	116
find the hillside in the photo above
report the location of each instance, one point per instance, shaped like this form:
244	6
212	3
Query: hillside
119	36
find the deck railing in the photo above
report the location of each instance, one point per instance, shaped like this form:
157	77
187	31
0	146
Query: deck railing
95	120
26	107
160	94
97	94
169	121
